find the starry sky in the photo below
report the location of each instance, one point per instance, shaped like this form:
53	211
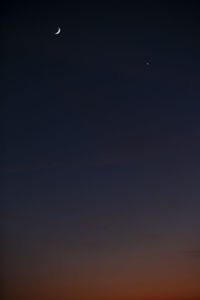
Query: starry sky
100	151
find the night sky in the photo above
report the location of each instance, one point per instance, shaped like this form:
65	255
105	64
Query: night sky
100	151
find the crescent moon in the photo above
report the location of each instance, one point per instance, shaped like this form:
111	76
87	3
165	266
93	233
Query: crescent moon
58	32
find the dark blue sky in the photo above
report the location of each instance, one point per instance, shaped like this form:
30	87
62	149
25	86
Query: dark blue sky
100	156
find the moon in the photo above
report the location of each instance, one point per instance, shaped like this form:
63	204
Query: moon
58	31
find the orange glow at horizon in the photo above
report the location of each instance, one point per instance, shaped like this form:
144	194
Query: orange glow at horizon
104	285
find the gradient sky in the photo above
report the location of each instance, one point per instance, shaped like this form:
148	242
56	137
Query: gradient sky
100	151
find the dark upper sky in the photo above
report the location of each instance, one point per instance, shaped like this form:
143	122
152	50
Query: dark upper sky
100	151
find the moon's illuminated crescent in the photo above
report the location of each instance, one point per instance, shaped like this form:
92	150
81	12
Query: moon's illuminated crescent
59	30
